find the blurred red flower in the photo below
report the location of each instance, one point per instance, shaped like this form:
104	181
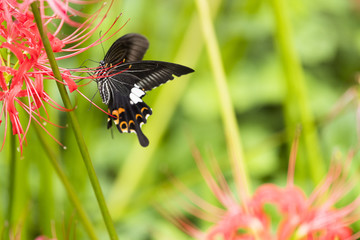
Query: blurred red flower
301	217
44	238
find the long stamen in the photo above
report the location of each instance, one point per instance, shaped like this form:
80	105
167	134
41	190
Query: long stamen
46	130
6	123
95	104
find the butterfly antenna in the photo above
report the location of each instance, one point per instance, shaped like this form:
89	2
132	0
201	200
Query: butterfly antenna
92	100
90	73
82	73
101	43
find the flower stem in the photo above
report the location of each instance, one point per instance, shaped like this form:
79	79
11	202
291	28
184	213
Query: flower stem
227	110
297	105
70	191
12	177
75	126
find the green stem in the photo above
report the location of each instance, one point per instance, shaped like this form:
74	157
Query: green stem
297	105
75	126
12	177
227	110
66	183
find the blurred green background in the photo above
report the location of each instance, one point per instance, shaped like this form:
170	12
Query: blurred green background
326	37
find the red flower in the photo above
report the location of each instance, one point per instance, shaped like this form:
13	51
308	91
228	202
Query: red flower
25	66
302	217
44	238
61	9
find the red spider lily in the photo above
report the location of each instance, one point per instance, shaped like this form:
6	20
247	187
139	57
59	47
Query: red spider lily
44	238
302	217
61	9
25	65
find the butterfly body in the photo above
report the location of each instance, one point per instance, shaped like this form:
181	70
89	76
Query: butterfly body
123	79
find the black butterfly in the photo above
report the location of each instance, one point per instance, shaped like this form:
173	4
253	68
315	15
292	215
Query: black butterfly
123	78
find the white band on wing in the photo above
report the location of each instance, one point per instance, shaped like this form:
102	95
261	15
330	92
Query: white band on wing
136	95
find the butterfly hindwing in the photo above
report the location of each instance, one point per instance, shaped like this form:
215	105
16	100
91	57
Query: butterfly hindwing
129	113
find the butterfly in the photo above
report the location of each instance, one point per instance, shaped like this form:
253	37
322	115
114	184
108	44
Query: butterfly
123	79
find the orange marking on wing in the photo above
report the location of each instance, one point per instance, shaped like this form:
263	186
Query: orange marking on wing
121	110
131	121
132	127
122	127
138	115
115	113
143	109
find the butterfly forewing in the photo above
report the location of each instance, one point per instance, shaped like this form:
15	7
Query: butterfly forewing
123	78
151	74
130	47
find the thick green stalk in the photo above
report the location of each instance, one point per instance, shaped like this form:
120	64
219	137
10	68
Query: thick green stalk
75	126
12	178
67	185
297	105
234	145
46	197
